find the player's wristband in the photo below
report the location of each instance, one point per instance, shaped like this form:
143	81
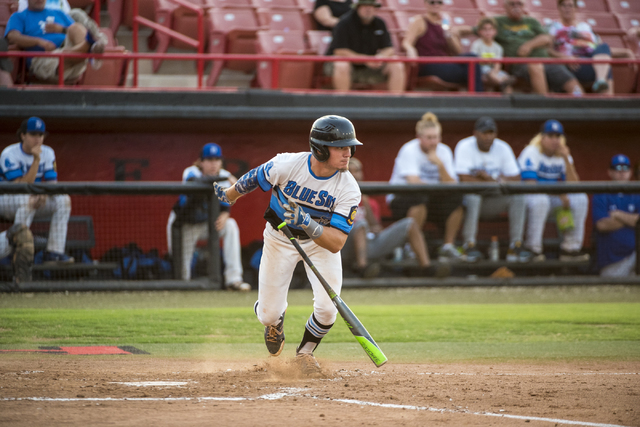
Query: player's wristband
313	230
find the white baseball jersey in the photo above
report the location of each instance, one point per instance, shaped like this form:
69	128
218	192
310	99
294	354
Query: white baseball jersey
329	201
412	161
499	160
15	163
534	164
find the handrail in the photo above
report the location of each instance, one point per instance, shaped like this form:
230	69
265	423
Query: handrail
277	59
198	44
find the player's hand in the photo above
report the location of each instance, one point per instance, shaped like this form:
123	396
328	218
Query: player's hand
221	220
36	151
222	194
52	27
563	151
294	215
565	201
46	45
37	201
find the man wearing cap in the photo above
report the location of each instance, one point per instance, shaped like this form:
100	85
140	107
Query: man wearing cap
30	161
547	159
190	219
360	33
485	158
615	217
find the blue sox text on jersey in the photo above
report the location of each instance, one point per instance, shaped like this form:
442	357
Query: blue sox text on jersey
307	195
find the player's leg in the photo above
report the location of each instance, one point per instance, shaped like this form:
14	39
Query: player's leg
232	254
624	268
191	233
279	259
59	207
538	206
573	239
24	209
472	205
170	221
324	312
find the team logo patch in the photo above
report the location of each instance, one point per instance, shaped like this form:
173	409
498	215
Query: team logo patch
352	215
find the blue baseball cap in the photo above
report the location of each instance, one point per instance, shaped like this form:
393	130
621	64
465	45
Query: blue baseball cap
35	125
553	127
211	150
620	162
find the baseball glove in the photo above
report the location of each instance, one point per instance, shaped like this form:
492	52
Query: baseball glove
21	240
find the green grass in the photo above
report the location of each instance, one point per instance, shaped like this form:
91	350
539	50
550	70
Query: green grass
410	324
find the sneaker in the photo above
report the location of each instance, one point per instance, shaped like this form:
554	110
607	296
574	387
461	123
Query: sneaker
239	286
97	47
308	364
516	253
538	257
449	253
600	86
573	255
56	258
274	337
471	253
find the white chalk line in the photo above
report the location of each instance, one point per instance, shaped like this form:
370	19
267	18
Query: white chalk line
526	374
292	392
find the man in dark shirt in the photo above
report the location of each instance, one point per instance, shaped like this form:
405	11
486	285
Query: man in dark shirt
361	33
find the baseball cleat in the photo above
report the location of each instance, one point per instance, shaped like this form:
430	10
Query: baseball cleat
239	286
274	337
308	363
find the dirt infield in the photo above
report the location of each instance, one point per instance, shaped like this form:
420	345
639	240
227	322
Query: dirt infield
53	389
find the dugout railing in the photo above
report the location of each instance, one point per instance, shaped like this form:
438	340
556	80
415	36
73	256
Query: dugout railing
213	279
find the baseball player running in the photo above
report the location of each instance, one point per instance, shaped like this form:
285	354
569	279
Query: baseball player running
30	161
318	199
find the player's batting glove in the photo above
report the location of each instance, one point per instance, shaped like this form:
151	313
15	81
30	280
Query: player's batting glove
294	215
222	195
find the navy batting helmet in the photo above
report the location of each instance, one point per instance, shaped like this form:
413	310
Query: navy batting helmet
331	131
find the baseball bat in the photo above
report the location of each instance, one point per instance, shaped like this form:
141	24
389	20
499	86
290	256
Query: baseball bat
355	326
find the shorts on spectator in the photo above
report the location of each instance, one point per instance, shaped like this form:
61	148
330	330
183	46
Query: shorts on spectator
439	206
557	75
46	68
360	73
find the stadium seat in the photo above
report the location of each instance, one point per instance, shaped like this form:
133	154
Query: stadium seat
411	6
291	75
121	12
624	6
628	21
276	4
388	17
307	5
284	20
594	6
228	3
403	18
461	17
624	76
543	6
232	30
459	4
602	23
491	7
319	42
113	72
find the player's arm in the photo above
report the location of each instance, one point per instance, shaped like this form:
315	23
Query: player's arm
24	42
331	239
30	176
245	185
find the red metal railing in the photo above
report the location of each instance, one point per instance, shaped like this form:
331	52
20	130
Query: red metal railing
275	60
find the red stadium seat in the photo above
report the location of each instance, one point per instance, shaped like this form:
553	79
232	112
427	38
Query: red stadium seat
232	30
461	17
113	72
291	75
229	3
602	23
628	21
284	20
459	4
624	76
121	12
542	6
276	4
388	17
491	7
319	41
624	6
307	5
412	6
403	18
593	6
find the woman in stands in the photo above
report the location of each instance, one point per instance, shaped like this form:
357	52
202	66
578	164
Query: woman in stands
327	13
428	35
574	39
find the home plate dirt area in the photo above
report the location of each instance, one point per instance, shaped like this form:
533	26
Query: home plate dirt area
132	390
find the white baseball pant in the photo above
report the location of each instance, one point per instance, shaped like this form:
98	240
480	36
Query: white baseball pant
538	208
279	259
624	268
19	207
231	249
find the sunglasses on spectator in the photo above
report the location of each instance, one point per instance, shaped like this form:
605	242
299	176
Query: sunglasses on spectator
515	3
620	168
433	2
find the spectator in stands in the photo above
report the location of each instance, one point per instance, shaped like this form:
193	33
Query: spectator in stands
6	66
327	13
426	160
573	39
30	161
57	33
522	36
369	242
615	217
485	158
486	47
427	35
190	219
547	159
361	33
